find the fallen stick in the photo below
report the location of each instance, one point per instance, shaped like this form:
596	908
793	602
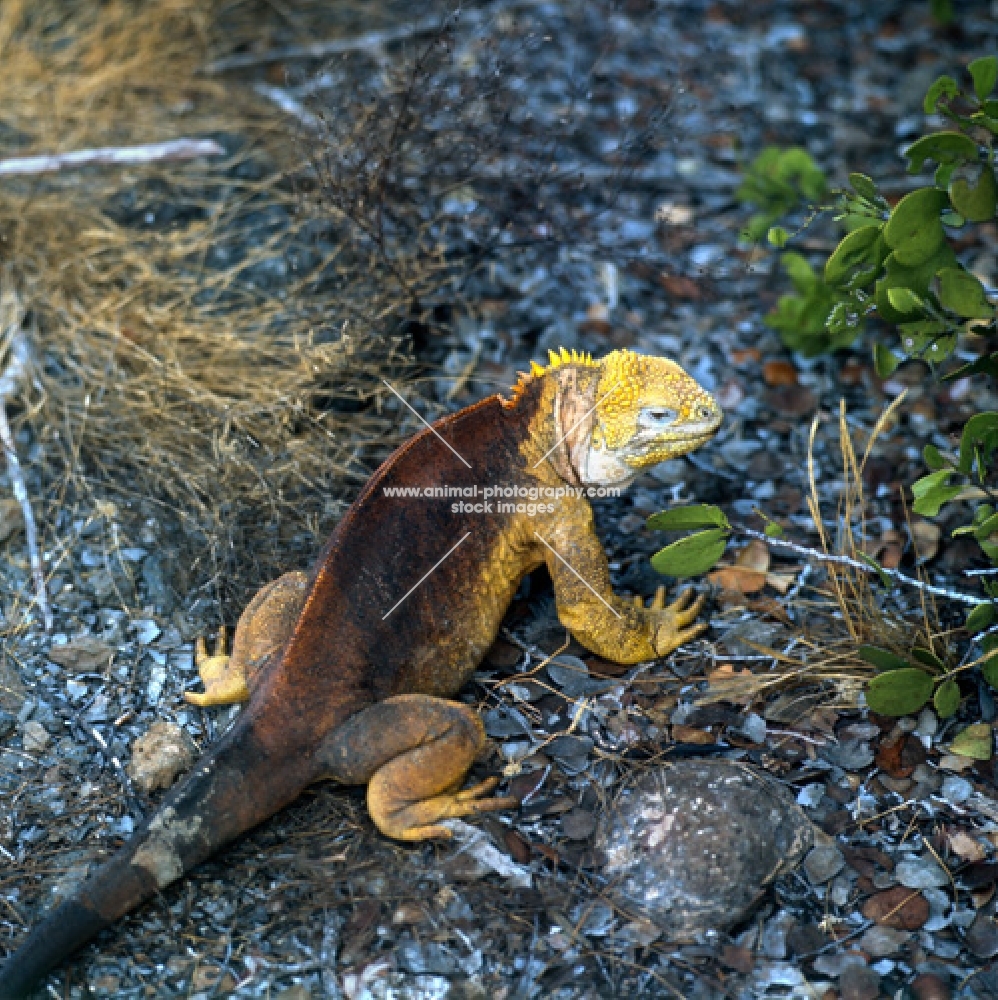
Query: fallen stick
836	560
119	156
13	375
289	104
322	50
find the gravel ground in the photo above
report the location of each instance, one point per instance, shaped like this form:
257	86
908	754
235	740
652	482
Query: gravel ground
666	102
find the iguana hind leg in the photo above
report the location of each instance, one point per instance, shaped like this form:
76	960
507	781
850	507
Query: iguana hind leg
263	629
414	751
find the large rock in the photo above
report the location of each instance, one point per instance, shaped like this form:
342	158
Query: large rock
692	845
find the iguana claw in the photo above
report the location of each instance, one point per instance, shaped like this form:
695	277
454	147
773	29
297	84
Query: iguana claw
224	679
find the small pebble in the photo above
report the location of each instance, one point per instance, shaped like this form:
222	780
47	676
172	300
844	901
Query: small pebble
880	941
921	873
928	724
956	789
160	755
982	936
859	982
810	795
36	737
823	863
930	986
146	630
754	727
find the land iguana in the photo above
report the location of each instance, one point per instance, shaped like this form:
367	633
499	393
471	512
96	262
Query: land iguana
349	671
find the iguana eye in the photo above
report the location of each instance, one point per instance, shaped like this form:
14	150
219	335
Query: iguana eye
657	416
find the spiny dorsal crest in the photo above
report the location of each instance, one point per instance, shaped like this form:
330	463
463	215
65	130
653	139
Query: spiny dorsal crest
623	372
556	359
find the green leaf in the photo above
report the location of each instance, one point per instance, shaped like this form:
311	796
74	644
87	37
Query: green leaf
927	658
987	365
882	659
904	300
943	174
777	237
914	231
700	515
773	530
927	338
855	256
962	293
933	457
877	568
918	279
975	197
975	742
928	504
978	441
863	186
799	271
931	492
884	360
692	555
989	671
944	86
987	526
942	10
899	692
980	618
946	700
985	73
943	147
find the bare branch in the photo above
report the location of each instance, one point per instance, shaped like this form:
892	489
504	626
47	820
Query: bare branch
289	104
369	41
820	556
118	156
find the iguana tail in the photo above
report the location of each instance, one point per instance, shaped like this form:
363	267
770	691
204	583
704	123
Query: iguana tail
243	780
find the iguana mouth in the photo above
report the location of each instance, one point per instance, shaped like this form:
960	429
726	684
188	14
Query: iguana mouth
662	447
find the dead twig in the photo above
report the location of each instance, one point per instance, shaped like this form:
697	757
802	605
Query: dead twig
827	557
118	156
289	104
14	374
370	40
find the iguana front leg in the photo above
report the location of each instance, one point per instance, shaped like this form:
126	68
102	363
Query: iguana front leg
619	630
263	629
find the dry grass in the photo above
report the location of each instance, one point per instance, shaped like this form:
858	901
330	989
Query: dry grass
846	611
235	407
866	616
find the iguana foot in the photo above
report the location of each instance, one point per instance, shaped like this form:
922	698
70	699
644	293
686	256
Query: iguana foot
669	622
224	679
422	819
264	629
414	751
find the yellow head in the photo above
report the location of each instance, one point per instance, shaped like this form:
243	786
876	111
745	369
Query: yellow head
625	413
649	410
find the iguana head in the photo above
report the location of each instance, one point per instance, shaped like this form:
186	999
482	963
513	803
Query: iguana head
623	414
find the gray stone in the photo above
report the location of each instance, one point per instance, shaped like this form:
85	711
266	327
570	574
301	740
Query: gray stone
823	863
690	845
36	737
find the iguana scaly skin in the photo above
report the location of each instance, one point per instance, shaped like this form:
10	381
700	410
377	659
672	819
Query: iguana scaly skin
349	670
